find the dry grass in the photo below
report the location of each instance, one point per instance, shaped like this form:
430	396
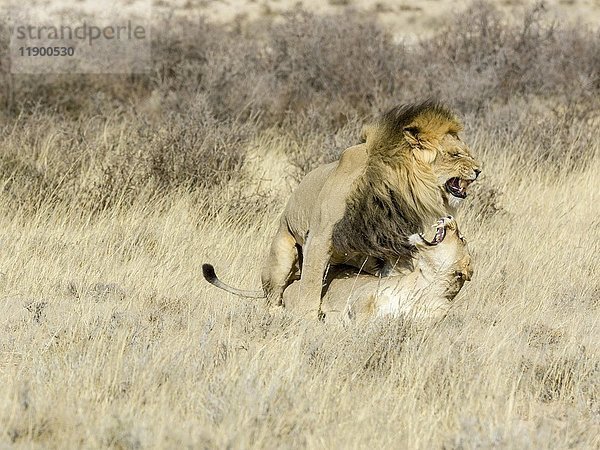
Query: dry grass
111	339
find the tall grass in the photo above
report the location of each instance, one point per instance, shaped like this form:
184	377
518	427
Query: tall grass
115	189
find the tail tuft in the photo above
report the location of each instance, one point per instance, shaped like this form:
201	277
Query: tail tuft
208	271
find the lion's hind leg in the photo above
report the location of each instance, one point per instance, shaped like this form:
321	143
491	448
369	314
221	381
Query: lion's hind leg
280	266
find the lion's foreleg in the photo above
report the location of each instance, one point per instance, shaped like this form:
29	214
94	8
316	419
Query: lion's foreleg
280	265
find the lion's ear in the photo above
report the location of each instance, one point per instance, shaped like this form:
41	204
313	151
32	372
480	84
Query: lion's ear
420	144
411	134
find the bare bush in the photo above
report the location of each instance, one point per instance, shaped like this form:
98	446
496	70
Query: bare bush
316	79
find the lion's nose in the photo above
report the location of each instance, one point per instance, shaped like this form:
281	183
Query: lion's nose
477	172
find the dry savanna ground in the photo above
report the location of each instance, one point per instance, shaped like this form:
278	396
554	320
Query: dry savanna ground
116	189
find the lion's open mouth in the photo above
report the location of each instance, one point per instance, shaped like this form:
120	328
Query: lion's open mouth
440	234
457	187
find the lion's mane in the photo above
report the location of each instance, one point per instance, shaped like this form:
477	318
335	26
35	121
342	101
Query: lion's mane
398	194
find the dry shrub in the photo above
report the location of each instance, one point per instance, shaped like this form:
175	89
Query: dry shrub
103	162
481	57
105	140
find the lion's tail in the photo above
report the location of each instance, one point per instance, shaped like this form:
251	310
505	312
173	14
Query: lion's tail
208	271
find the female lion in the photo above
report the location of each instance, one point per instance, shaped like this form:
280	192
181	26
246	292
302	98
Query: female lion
423	296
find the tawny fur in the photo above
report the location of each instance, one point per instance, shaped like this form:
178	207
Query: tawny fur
361	209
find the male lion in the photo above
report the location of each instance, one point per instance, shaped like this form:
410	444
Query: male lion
360	210
423	296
